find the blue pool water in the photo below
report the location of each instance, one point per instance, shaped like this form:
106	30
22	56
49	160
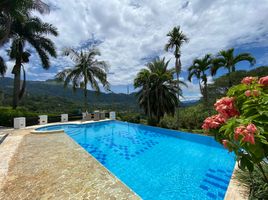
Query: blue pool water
157	163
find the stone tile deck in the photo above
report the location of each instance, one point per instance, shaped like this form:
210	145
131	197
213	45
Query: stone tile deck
236	190
53	166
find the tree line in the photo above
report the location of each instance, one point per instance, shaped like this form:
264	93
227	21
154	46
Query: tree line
159	93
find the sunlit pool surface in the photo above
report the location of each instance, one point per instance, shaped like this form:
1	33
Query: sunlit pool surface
157	163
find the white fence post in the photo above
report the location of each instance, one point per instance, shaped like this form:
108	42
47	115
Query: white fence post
112	115
64	117
42	119
84	115
19	122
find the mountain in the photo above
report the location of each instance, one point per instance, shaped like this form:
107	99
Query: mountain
53	95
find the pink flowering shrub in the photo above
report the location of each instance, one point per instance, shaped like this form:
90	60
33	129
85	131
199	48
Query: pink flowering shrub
241	124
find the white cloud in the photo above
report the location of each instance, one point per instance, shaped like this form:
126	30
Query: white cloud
132	30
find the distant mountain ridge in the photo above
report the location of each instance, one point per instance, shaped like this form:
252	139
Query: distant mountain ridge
52	88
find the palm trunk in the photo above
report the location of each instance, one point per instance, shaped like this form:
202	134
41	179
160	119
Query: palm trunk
178	85
177	74
16	90
206	97
148	104
229	78
85	97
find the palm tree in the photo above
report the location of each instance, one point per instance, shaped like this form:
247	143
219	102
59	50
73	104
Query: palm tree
158	93
199	69
33	32
12	10
176	39
227	59
87	70
17	10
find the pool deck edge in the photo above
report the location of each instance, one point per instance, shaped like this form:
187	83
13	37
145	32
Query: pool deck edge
236	190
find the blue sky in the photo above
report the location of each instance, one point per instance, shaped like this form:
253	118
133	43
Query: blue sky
130	33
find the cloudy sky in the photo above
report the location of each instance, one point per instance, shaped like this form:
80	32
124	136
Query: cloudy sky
130	33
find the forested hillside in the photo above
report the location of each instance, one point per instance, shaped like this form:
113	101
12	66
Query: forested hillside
50	96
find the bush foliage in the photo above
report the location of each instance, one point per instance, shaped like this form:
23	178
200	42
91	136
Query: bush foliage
241	124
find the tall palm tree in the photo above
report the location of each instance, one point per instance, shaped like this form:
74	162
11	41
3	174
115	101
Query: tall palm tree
158	93
87	70
176	39
32	31
227	60
17	10
199	69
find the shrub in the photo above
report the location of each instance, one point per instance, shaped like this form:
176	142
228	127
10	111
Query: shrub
189	118
129	117
241	124
168	122
7	114
258	188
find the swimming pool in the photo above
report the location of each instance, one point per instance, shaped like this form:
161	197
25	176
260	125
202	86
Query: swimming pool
157	163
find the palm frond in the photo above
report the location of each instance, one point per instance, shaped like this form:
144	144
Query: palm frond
245	57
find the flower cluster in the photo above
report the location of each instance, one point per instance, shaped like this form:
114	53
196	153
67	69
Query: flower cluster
246	133
264	81
213	122
240	125
254	93
226	107
248	80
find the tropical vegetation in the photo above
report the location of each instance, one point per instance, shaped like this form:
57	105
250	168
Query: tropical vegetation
19	26
241	123
87	70
158	90
176	39
227	60
253	181
199	69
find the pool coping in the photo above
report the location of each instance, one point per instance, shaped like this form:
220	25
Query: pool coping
236	190
231	192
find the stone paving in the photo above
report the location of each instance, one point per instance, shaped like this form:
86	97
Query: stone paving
236	190
53	166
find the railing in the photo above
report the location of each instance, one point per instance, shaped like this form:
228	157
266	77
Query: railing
30	121
36	120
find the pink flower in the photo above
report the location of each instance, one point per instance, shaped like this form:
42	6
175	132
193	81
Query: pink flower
213	122
225	106
239	131
248	80
225	143
256	93
249	138
264	81
246	133
248	93
252	128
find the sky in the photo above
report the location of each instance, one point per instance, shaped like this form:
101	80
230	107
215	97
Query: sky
130	33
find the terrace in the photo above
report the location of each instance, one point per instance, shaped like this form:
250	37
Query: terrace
53	166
